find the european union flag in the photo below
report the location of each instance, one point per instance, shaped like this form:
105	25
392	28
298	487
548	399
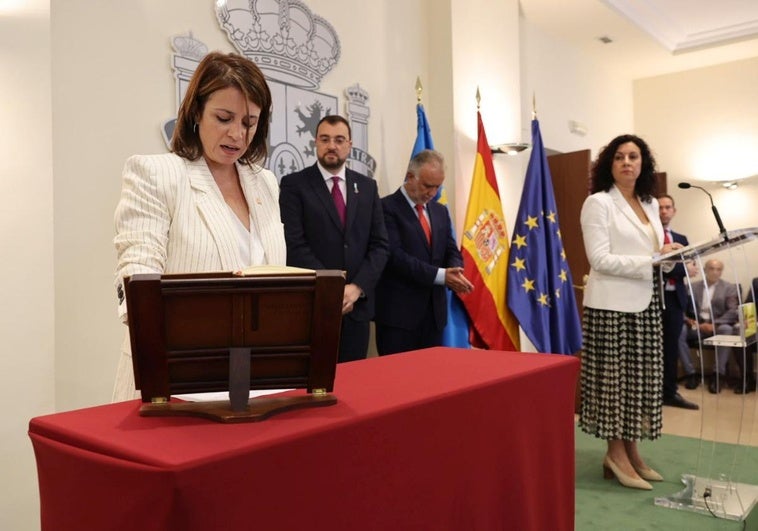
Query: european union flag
540	290
456	330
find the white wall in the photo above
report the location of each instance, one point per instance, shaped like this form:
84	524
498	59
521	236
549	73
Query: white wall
484	46
27	363
703	124
567	86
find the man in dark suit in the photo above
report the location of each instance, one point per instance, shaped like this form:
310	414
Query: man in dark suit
411	300
333	220
716	305
675	304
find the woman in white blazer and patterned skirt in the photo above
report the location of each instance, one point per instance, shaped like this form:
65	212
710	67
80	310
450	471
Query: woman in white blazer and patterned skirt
208	205
622	358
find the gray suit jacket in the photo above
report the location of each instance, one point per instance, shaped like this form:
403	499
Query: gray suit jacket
724	302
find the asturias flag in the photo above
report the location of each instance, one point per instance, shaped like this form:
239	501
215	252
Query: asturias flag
485	249
456	330
540	290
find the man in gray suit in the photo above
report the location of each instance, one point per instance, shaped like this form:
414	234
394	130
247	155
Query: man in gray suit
716	304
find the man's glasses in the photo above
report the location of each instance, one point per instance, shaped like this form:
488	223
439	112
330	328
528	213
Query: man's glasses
325	140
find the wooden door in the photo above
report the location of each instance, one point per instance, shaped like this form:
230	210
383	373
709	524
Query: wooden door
662	183
571	183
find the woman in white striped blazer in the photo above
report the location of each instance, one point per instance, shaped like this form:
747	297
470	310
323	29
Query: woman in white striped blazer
208	205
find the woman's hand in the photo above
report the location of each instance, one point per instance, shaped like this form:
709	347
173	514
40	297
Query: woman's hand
669	247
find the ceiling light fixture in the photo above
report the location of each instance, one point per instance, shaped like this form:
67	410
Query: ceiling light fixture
730	185
513	148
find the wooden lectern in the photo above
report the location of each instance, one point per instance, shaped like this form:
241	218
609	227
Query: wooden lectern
205	332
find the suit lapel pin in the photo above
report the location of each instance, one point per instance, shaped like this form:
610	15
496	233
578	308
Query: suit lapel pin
355	188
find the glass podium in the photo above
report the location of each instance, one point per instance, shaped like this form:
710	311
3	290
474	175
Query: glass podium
716	482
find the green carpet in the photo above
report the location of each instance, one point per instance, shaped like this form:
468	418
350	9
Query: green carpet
605	504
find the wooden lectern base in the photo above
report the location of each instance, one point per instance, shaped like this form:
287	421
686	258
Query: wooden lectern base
258	408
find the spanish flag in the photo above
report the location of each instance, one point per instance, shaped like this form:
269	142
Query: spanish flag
485	246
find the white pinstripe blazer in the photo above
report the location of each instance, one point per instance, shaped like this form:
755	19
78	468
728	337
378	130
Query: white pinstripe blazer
172	218
619	251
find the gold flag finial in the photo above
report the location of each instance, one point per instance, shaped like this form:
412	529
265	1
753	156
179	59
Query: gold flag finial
419	89
478	97
534	106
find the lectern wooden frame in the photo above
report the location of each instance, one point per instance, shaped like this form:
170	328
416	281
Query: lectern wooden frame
209	332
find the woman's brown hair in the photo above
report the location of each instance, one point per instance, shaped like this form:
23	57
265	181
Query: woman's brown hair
218	71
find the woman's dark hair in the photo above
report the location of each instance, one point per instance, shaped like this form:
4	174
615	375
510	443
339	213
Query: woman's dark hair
218	71
602	177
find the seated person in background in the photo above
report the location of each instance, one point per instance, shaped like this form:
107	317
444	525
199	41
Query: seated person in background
747	370
716	303
691	379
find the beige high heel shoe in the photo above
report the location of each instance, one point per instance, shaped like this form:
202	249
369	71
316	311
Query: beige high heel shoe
648	474
610	469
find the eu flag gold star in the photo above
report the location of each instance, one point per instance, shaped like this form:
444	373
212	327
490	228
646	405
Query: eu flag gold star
518	263
531	222
528	285
520	241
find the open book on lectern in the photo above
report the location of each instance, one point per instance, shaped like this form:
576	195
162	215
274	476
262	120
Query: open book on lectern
747	329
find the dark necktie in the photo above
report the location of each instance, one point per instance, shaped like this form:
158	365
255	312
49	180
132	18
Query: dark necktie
339	200
667	239
424	223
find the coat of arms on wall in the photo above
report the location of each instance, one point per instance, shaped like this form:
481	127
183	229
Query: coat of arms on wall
294	48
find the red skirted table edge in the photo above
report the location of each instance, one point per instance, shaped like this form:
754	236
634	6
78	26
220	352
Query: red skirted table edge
439	439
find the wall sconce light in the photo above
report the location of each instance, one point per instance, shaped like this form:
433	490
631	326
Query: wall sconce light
730	185
508	149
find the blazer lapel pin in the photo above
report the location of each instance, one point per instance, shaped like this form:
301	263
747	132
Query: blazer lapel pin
355	188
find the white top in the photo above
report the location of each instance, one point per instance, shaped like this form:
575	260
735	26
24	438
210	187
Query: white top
251	248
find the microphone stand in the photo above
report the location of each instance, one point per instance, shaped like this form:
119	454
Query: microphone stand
722	229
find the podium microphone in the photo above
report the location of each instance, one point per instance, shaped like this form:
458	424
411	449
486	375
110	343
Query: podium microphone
722	229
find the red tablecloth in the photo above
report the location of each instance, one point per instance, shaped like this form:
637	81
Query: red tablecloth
433	439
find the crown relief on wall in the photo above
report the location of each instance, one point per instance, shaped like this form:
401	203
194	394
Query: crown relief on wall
295	49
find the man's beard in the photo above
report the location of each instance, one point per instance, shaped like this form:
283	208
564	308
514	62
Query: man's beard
331	166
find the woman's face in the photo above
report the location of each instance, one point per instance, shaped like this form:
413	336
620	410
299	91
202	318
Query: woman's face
227	126
627	164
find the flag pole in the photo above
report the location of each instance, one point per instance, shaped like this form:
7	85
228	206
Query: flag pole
534	106
419	89
478	98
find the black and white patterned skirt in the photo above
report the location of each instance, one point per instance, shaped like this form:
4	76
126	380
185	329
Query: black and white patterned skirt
622	373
